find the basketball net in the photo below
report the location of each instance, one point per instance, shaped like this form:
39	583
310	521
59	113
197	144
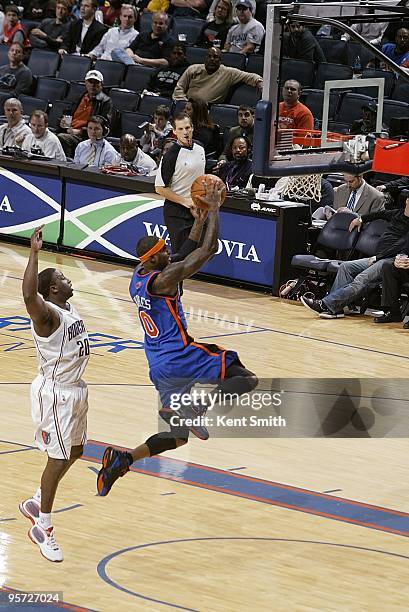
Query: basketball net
306	187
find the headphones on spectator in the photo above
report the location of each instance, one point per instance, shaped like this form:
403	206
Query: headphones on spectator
106	127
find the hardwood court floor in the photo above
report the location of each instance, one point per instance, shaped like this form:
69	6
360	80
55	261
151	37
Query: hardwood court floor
168	536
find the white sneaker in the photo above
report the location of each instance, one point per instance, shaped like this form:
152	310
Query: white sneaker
45	539
30	508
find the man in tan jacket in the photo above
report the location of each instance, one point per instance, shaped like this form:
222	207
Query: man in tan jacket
212	81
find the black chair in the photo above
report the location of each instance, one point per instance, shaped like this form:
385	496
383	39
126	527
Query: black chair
50	88
234	60
196	55
145	22
357	52
314	99
137	77
225	115
245	94
131	122
179	106
113	72
74	67
350	107
124	99
31	104
56	111
335	235
3	55
255	63
335	50
43	63
331	72
369	236
189	28
378	74
341	128
401	91
299	70
4	95
393	108
75	91
148	104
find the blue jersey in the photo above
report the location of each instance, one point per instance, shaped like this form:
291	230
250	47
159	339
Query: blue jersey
175	360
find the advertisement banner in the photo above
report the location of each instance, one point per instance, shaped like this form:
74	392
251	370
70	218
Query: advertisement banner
111	222
28	200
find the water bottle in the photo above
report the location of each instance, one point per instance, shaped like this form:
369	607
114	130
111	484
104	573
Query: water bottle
357	67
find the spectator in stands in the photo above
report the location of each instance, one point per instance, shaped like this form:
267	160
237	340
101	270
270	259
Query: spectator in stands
41	141
299	43
216	29
366	125
394	274
211	81
393	27
83	35
236	173
51	31
247	35
167	145
117	37
96	151
149	48
13	30
205	132
357	196
188	8
212	10
93	102
371	31
133	157
355	277
112	13
156	6
293	114
15	130
163	82
398	52
393	187
245	128
15	77
156	132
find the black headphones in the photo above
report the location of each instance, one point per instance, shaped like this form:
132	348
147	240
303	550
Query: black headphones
106	127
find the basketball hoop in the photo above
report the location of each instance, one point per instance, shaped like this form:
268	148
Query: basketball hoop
305	187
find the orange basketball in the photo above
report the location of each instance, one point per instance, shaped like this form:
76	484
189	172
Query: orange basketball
198	189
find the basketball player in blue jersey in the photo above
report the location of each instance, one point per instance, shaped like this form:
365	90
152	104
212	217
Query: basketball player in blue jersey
176	361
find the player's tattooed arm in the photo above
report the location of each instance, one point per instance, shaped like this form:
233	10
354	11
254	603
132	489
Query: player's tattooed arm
45	319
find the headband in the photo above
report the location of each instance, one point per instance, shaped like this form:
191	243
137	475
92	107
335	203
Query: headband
155	249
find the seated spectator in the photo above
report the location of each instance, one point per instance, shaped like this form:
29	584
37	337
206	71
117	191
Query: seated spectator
96	151
398	52
93	102
211	13
299	43
149	48
15	77
41	141
156	132
245	127
133	157
13	30
390	32
216	29
166	146
15	130
51	31
293	114
247	35
188	8
205	132
355	277
111	13
236	173
370	31
357	196
163	82
83	35
212	81
117	37
156	6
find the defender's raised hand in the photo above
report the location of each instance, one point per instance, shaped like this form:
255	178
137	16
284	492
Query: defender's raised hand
37	239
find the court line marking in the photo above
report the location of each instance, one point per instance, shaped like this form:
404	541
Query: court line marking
265	491
102	565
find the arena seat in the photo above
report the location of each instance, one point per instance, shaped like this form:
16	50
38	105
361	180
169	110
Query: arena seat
245	94
31	104
196	55
255	63
335	50
350	107
234	60
74	67
49	88
130	123
225	115
43	63
113	72
137	77
300	70
148	104
331	72
191	28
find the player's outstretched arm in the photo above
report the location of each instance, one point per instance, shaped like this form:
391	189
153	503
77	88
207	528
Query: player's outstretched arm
43	317
167	281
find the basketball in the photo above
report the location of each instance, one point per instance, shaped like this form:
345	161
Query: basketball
198	189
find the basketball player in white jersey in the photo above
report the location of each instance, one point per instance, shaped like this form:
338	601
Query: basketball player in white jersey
59	398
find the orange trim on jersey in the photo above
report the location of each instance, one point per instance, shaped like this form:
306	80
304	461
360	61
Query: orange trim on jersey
177	320
155	249
222	355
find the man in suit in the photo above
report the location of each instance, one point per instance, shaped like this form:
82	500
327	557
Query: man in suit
357	196
84	34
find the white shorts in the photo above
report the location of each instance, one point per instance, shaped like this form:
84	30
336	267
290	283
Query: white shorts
60	416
